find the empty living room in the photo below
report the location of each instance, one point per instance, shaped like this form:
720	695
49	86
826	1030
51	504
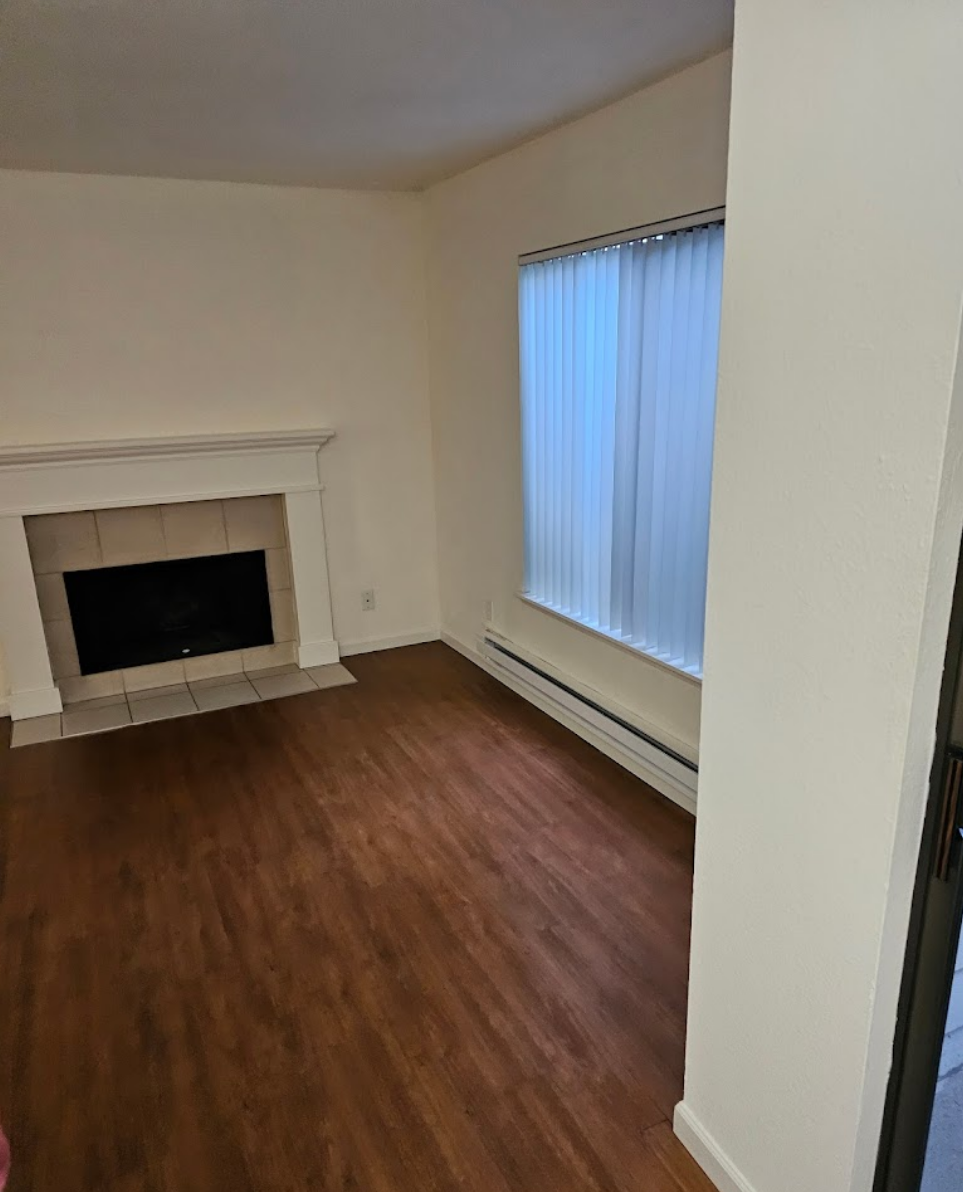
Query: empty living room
481	611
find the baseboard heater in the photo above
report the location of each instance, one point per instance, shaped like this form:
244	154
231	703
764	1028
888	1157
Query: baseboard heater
670	772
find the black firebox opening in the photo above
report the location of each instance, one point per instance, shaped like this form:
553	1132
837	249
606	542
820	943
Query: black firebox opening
178	608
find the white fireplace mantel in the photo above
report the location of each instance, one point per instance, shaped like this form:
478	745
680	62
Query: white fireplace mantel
66	477
45	453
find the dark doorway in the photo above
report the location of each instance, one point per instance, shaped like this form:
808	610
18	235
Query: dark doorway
156	612
922	1143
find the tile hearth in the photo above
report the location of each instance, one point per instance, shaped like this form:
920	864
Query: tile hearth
179	699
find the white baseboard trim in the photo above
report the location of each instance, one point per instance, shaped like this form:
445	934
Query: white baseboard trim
4	708
570	718
464	649
707	1153
369	645
318	653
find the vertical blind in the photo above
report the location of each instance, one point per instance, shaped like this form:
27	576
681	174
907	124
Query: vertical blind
619	351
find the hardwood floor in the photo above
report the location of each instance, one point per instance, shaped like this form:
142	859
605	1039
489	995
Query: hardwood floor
403	936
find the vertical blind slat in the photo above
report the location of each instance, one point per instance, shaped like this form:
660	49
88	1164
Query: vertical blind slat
609	360
526	316
595	519
568	342
619	353
651	259
542	415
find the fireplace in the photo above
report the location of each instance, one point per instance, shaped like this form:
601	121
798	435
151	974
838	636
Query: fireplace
94	506
163	594
176	608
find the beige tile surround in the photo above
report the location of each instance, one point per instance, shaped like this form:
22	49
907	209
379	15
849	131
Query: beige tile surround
183	699
62	542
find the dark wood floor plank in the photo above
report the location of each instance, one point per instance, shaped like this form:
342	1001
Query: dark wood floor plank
404	935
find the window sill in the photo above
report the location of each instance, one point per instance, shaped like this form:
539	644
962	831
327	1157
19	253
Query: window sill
610	638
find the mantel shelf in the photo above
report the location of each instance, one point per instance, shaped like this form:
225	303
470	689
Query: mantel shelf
163	445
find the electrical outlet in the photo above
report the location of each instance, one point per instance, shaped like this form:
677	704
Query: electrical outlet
488	611
368	600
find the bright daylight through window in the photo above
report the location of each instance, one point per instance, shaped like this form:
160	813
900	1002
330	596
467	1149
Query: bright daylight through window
619	352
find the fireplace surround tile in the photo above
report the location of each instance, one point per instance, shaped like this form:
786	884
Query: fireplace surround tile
158	674
134	534
163	707
82	719
283	617
194	528
103	701
197	685
52	595
262	657
64	662
289	668
226	695
278	563
213	667
81	688
254	523
325	677
63	542
35	730
277	686
134	697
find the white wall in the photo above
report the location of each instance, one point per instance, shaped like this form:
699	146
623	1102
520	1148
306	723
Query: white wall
660	153
837	508
137	307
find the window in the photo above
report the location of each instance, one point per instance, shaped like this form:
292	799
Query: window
619	348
